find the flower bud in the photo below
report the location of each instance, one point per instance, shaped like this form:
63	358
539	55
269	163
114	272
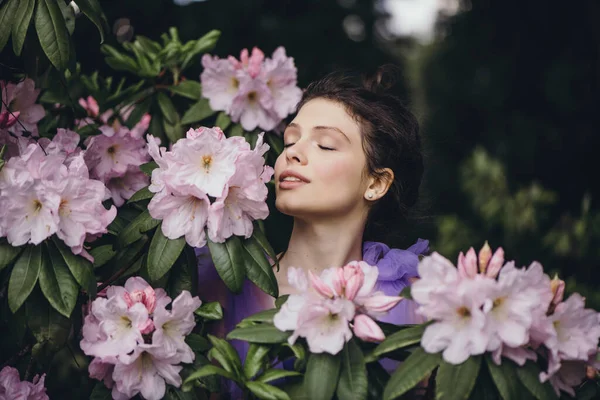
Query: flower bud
381	303
367	329
558	290
321	287
467	265
485	254
495	263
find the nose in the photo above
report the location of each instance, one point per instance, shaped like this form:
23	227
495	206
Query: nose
296	154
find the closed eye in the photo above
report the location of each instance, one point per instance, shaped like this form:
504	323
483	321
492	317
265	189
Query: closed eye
285	146
326	148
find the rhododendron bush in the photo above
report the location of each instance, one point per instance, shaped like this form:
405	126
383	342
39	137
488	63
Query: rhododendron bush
108	187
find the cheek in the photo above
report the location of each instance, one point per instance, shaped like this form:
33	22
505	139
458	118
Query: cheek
343	174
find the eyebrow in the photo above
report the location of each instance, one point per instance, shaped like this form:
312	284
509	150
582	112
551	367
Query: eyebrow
322	128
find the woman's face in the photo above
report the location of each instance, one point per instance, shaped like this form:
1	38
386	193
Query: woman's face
321	171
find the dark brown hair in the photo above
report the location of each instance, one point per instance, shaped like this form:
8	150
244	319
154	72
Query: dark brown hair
390	139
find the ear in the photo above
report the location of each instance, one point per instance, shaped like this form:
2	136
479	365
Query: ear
379	184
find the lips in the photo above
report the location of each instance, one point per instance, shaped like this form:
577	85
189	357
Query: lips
291	180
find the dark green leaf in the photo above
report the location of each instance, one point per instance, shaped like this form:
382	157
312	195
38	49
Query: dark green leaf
184	274
7	254
274	374
410	372
92	10
262	316
231	359
134	231
228	258
149	167
52	32
260	237
455	382
130	255
321	377
405	337
275	142
69	16
258	268
188	88
405	293
101	392
236	130
102	254
174	131
263	333
57	283
45	323
353	376
529	377
505	378
150	46
7	13
24	276
21	24
223	120
167	108
212	311
82	269
254	359
204	44
142	194
281	300
197	343
162	254
197	112
266	391
378	378
118	60
208	370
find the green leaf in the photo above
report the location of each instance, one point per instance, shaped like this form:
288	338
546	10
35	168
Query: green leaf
405	293
52	33
174	131
260	237
148	167
92	10
7	254
162	254
7	13
228	258
188	88
411	372
275	142
254	359
266	391
263	333
353	376
405	337
167	108
204	44
529	376
142	194
119	61
45	323
223	120
184	274
281	300
262	316
231	361
208	370
258	268
102	254
274	374
321	377
236	130
101	392
197	342
82	269
21	24
455	382
57	283
136	228
505	378
378	378
24	276
211	311
197	112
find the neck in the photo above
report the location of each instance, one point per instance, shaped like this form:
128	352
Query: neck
319	245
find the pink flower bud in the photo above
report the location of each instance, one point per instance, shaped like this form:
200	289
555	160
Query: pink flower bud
381	303
255	62
321	287
367	329
558	290
495	263
485	254
354	278
149	299
467	266
339	283
8	119
147	327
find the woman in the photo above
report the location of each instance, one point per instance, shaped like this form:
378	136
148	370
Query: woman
350	170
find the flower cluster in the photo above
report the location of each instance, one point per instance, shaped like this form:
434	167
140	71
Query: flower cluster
114	157
47	190
137	336
485	305
209	181
11	386
254	90
336	300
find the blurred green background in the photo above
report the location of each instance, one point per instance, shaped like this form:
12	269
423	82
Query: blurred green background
507	92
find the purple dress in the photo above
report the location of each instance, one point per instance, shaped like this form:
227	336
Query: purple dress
396	268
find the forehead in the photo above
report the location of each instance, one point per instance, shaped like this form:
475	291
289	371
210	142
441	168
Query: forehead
324	112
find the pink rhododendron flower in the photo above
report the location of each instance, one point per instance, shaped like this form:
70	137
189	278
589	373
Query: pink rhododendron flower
252	107
437	273
322	313
219	82
250	63
280	75
12	388
90	105
21	98
123	187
